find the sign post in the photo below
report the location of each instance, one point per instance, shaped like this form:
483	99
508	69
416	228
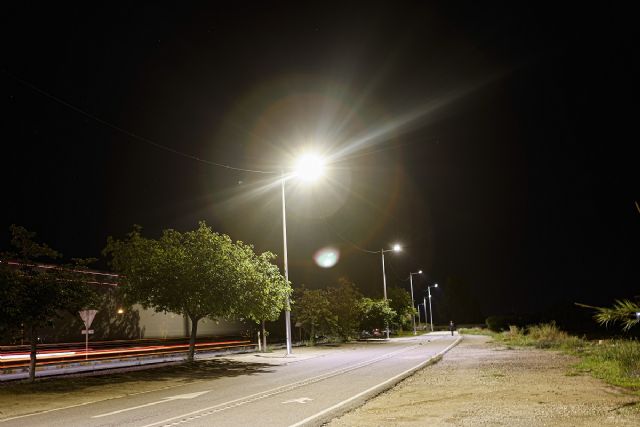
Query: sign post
87	317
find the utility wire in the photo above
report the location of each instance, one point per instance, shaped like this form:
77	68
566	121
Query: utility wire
129	133
347	240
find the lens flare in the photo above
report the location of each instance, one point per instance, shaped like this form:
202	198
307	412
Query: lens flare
327	257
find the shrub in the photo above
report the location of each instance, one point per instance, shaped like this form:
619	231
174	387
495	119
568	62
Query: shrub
547	335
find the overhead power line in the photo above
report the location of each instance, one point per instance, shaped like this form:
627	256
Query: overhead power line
129	133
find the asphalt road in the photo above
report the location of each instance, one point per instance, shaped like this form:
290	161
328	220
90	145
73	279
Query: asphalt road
268	391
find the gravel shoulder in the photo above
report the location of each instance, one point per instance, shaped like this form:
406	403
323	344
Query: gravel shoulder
482	383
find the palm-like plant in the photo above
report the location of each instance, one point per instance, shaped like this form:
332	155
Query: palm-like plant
623	312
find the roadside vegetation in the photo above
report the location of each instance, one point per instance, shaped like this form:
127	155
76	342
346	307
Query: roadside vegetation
616	361
32	296
199	274
341	313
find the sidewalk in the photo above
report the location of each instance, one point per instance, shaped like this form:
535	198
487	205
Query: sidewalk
98	367
483	383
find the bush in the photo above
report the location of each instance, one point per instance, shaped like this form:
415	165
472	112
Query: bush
547	335
543	335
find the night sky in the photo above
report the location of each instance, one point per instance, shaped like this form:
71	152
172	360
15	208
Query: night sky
496	142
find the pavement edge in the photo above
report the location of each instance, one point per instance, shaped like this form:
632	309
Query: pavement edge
341	408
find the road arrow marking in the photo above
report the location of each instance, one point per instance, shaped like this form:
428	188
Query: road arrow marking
300	400
165	400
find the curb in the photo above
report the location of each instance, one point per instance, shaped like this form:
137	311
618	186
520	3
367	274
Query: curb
102	367
359	399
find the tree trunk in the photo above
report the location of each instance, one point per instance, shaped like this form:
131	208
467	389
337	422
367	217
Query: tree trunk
264	337
192	340
34	344
312	338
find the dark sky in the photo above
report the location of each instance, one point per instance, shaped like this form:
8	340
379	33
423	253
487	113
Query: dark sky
495	141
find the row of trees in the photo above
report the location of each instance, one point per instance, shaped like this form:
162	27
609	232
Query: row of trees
198	274
342	311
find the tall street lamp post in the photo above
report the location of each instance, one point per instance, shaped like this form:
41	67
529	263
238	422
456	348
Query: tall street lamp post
287	306
308	167
413	316
396	248
430	310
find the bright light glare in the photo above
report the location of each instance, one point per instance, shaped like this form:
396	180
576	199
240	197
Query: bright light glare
309	167
419	271
397	247
327	257
435	286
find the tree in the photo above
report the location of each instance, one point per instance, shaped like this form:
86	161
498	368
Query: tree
400	302
264	289
313	309
375	314
343	303
197	274
624	312
33	295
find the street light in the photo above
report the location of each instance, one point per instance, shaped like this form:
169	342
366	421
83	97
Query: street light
308	167
430	310
396	248
413	316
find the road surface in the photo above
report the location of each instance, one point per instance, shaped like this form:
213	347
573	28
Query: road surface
279	391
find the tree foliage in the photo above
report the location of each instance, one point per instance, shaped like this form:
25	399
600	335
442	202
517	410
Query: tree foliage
400	302
198	274
622	312
375	314
33	296
313	309
264	290
344	301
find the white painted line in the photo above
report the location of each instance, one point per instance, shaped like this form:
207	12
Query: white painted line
165	400
93	401
371	389
299	400
277	390
50	410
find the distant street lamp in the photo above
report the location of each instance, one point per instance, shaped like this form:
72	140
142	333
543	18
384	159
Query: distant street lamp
396	248
424	306
308	167
413	316
430	310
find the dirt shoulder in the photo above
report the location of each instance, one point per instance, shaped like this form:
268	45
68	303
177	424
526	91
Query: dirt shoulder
482	383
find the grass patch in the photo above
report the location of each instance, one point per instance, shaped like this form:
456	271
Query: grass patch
615	361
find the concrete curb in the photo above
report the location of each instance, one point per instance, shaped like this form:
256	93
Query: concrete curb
359	399
101	367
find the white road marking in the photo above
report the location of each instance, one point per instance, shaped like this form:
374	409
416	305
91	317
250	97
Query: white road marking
268	393
377	386
299	400
165	400
95	401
